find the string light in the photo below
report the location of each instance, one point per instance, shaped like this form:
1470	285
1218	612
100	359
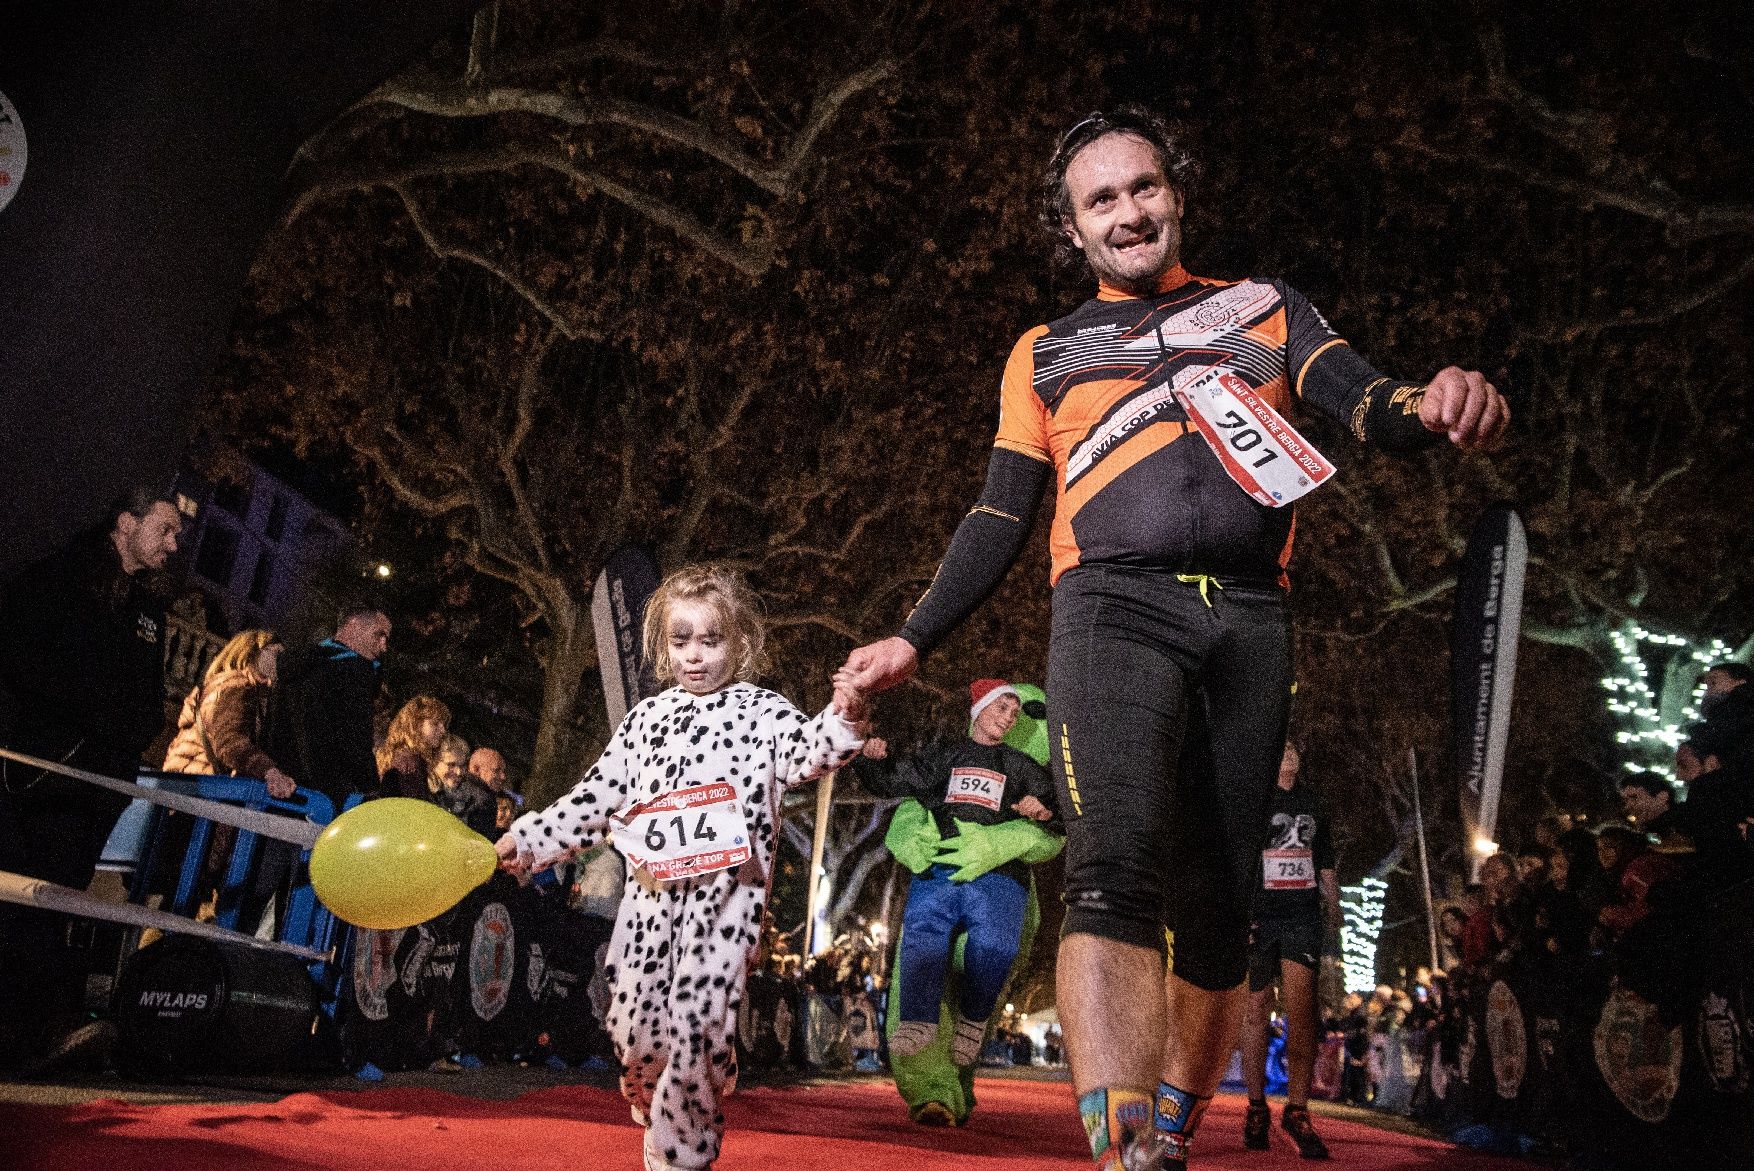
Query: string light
1648	734
1361	909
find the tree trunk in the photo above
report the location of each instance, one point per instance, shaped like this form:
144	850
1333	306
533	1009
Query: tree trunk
558	761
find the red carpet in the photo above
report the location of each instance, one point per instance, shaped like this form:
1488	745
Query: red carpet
1019	1126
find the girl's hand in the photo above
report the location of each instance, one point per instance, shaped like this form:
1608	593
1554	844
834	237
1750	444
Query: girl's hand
513	861
280	786
852	705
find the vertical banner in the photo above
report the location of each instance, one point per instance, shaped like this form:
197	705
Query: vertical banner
618	615
1483	644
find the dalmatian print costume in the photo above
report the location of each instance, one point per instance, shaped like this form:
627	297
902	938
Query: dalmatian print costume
682	948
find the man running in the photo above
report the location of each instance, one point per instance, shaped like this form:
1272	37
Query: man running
1296	901
1155	410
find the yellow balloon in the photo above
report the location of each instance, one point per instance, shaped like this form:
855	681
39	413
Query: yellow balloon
396	862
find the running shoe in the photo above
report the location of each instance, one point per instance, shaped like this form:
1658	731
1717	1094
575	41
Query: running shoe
934	1114
1155	1151
1296	1123
1255	1126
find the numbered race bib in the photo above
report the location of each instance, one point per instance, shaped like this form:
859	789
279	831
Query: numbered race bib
1288	869
698	830
1261	451
977	786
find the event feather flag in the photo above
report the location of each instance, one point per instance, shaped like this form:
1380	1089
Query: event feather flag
1483	645
618	615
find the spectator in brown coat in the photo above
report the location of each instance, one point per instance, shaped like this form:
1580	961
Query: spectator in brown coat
220	731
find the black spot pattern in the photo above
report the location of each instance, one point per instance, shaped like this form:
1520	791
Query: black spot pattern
682	952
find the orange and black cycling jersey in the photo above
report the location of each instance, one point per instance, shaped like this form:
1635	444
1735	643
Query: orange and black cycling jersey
1087	399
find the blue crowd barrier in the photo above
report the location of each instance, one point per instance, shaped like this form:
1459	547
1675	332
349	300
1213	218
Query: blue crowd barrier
139	841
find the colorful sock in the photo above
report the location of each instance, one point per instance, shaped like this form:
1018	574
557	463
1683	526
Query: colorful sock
1112	1118
1177	1115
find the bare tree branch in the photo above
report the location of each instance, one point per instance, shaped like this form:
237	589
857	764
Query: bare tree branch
452	251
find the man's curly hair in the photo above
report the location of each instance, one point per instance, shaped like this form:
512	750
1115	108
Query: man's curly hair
1179	166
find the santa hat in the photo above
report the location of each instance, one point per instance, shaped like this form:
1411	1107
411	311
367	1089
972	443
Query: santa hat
984	691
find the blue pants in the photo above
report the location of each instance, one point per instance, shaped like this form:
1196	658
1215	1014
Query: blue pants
990	909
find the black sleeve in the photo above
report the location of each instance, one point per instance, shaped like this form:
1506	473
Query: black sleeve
984	548
1328	374
1038	783
44	637
904	776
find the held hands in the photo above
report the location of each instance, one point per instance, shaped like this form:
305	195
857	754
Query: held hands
515	862
878	666
876	747
1033	809
1462	403
852	705
280	786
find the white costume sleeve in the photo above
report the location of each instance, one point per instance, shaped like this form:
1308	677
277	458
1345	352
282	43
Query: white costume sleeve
805	750
581	817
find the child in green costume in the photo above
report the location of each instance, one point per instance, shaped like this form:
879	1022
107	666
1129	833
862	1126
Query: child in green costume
937	1079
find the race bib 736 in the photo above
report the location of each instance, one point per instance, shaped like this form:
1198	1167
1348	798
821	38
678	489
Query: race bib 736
1288	870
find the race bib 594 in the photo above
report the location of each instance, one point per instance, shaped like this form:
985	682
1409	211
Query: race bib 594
977	786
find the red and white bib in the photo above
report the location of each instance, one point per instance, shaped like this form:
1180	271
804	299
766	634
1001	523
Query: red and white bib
681	834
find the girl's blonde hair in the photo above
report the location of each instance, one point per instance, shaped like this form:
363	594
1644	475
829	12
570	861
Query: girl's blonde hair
240	654
405	729
740	619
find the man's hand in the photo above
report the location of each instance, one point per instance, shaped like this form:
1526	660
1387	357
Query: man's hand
280	786
1032	808
877	748
1462	403
878	666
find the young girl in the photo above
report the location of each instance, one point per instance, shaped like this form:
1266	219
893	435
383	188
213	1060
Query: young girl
689	791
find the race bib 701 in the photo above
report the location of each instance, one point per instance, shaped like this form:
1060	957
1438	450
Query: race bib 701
1263	453
976	786
697	830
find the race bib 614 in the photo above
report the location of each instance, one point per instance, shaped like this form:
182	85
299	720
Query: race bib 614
697	830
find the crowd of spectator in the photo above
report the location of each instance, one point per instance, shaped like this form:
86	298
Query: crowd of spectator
1561	942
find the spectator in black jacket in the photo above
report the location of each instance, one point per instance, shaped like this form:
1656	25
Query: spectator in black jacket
81	663
474	798
1717	764
321	718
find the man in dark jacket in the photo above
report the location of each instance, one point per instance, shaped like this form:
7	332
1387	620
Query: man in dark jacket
321	716
1717	763
81	666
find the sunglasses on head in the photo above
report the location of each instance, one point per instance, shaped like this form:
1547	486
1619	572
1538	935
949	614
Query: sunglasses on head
1094	127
